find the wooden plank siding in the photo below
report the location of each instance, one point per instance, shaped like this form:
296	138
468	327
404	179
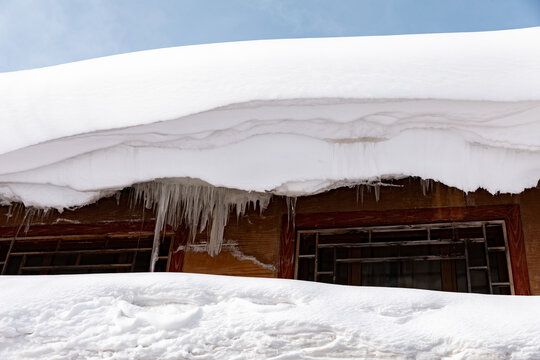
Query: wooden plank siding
254	242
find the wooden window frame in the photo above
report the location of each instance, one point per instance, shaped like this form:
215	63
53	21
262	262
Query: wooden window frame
509	213
100	229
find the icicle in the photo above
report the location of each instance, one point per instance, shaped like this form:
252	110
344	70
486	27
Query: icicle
197	205
17	212
427	185
28	218
291	209
377	188
9	213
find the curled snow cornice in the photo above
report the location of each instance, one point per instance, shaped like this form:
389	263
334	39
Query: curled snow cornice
291	117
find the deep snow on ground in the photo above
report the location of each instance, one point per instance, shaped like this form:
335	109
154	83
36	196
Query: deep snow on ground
188	316
289	117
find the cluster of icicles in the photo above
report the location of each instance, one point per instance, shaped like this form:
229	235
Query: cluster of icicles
196	205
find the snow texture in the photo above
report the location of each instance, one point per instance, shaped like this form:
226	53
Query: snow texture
290	117
188	316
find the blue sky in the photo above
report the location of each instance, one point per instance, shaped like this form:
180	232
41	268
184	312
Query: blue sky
36	33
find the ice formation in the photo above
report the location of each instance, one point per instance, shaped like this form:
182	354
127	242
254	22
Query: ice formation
196	205
233	248
288	117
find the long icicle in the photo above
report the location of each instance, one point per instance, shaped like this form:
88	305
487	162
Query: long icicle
196	204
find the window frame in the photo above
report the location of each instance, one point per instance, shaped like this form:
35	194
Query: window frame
99	230
509	213
401	230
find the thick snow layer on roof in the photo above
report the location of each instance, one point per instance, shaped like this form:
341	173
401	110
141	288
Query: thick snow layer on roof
188	316
287	116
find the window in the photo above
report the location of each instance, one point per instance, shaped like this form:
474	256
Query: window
454	256
81	253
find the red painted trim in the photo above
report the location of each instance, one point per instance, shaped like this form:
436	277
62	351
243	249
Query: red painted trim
78	229
509	213
516	244
286	250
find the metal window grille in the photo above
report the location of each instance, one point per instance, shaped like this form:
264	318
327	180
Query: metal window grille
78	254
457	256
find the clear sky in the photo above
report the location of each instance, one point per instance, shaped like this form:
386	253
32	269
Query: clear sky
36	33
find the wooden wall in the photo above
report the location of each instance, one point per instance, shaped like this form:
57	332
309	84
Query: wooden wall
259	236
252	243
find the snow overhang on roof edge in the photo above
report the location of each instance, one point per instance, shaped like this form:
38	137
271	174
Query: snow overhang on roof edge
292	117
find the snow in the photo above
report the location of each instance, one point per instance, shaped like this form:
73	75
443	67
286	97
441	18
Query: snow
203	130
189	316
290	117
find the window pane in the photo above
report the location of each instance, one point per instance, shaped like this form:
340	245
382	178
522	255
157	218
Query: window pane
429	256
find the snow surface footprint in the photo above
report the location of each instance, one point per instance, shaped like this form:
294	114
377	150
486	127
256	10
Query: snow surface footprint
166	316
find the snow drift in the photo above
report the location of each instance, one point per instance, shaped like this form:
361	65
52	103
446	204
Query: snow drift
188	316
